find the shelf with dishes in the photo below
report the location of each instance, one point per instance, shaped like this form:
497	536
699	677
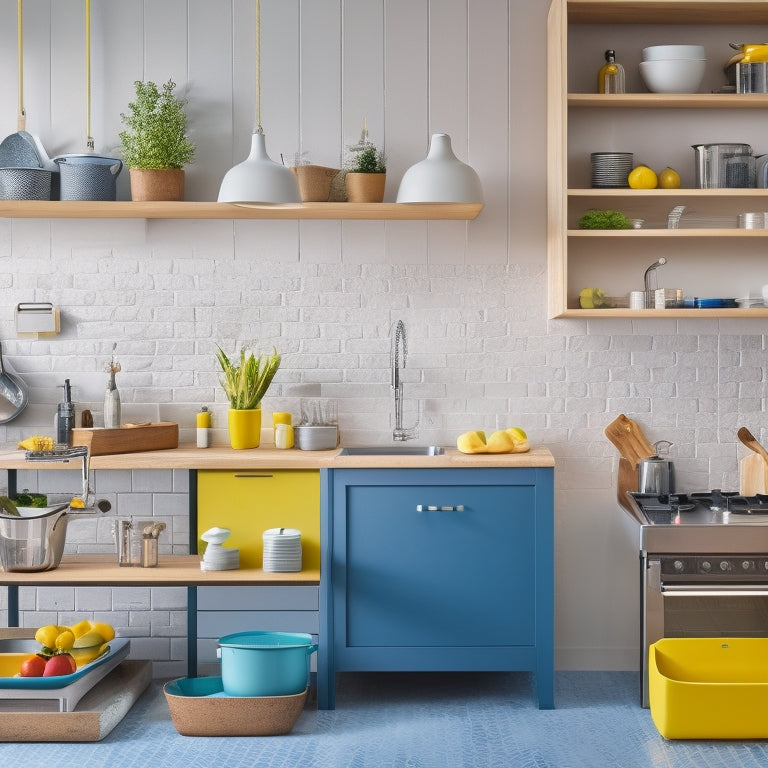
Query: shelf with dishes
668	100
66	209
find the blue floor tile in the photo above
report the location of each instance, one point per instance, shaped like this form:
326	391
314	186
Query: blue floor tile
414	720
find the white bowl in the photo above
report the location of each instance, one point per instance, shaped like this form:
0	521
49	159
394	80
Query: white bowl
668	52
673	76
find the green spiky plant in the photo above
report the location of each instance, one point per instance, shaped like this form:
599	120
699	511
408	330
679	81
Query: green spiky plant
156	134
369	159
246	380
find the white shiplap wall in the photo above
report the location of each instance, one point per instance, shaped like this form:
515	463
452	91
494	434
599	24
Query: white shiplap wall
472	295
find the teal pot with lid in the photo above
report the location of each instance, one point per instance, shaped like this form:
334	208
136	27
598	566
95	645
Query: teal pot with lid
265	663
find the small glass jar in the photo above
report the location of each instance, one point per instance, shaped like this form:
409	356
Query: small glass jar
283	436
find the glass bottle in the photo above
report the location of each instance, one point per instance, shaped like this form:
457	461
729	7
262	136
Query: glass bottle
112	415
611	76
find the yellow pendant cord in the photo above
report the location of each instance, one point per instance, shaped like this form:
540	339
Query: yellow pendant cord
22	116
258	67
89	140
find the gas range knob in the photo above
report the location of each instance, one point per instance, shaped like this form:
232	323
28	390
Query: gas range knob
706	566
679	566
746	565
725	566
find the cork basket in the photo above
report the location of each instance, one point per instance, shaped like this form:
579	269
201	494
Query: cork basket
199	707
314	182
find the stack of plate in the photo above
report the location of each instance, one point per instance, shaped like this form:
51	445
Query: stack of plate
282	550
217	557
610	169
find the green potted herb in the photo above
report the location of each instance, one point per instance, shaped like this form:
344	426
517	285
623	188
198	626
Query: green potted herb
366	171
155	142
245	380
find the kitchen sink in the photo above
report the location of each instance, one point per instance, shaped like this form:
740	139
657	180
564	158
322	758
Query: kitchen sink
394	450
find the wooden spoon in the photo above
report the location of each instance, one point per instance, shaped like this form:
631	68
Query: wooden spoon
748	439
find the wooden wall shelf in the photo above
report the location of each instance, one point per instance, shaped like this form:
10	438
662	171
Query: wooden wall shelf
65	209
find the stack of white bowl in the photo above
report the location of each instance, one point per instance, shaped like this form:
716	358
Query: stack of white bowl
673	68
282	550
217	557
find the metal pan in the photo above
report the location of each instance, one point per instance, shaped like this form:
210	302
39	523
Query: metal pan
13	392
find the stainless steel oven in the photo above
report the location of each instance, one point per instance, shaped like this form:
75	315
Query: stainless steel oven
703	567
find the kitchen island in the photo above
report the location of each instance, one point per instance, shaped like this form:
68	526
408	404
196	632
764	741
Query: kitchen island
508	499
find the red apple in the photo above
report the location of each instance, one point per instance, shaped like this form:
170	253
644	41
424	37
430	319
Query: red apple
60	664
34	666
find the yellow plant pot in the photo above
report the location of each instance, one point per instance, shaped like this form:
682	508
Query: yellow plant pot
244	428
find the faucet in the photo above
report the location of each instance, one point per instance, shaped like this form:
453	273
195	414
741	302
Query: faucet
399	354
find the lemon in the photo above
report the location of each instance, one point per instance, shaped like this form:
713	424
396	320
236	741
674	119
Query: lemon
669	178
643	177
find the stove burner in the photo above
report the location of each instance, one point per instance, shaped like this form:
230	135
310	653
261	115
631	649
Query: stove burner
715	507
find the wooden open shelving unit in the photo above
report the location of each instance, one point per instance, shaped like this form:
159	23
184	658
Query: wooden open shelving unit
570	247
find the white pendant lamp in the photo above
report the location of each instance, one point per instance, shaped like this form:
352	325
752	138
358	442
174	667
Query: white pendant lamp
258	180
440	178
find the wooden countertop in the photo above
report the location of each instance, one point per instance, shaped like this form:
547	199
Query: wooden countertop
171	571
224	457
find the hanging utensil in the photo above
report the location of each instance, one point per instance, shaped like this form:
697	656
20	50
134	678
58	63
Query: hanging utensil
13	393
88	176
749	440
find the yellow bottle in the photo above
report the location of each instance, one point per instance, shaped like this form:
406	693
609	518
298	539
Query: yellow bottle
611	76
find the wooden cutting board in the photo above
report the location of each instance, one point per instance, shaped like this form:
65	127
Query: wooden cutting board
753	475
633	446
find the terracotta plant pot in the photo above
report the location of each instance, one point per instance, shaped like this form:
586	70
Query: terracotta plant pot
365	187
157	184
244	428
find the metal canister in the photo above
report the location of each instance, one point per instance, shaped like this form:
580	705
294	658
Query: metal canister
655	474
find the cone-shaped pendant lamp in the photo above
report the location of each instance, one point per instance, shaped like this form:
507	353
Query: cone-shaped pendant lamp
440	178
258	180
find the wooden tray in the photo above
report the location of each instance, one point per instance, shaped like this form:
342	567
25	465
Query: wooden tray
96	714
128	439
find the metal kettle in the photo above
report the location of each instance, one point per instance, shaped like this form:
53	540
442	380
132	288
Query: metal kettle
655	474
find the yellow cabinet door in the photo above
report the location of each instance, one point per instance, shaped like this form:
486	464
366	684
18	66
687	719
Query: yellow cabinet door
249	502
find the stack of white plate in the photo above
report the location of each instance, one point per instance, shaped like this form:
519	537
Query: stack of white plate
611	169
282	550
216	556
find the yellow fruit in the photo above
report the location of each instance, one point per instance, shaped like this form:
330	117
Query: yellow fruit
500	442
472	442
669	178
89	639
84	656
65	640
517	433
37	443
77	503
47	635
81	628
643	177
591	298
107	631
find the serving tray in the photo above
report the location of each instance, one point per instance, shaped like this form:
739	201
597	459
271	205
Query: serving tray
63	692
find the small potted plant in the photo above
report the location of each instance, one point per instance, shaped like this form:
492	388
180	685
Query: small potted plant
245	380
155	142
366	171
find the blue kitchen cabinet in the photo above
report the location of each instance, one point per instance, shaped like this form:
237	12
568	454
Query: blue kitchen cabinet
436	570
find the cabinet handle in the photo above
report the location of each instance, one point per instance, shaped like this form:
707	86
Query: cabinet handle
433	508
251	475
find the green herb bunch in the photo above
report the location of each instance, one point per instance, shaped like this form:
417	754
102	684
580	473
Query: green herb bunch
604	220
156	135
369	159
245	381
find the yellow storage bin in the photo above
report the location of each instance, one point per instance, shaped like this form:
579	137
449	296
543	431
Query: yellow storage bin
251	502
709	687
